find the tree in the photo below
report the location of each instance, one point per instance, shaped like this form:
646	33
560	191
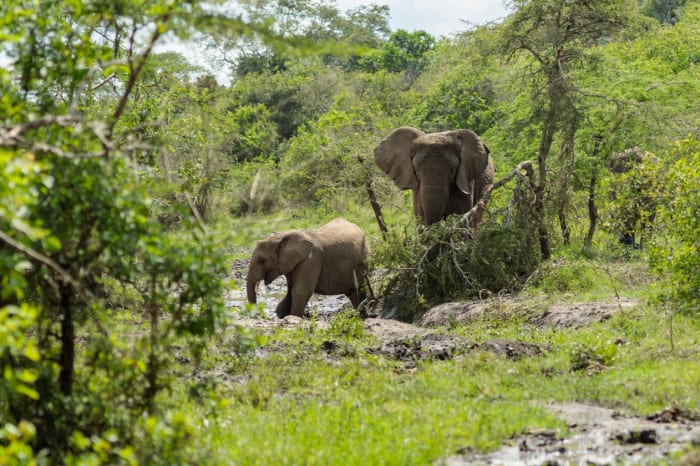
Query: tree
316	25
459	84
404	52
664	11
674	251
77	240
551	37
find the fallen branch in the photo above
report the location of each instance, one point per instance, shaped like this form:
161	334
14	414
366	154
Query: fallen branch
473	216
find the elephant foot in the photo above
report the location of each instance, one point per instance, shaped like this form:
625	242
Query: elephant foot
282	313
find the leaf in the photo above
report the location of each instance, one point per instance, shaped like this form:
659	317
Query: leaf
27	391
31	352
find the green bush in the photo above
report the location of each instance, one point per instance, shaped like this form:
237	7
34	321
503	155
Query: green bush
449	261
557	277
675	250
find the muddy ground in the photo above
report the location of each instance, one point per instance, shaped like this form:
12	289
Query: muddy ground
600	436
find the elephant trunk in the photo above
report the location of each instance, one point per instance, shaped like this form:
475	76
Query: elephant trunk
434	201
251	286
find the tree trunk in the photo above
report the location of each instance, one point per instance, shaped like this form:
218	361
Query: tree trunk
540	190
373	198
565	232
153	365
568	155
592	208
376	208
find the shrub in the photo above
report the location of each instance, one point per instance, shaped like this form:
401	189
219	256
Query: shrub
449	260
674	252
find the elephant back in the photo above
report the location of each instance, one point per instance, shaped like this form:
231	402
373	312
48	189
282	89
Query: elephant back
346	254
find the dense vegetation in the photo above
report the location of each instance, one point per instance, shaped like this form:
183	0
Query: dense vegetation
130	179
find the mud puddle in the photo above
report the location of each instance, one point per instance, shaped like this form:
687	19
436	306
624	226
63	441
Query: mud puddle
601	437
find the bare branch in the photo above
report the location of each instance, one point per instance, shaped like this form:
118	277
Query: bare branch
135	71
84	294
12	135
474	215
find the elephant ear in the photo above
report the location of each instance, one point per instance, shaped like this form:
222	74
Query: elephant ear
394	153
294	248
474	159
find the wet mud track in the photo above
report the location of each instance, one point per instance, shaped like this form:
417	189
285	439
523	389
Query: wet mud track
600	436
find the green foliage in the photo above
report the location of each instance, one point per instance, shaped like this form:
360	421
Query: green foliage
404	52
584	357
664	11
556	278
15	444
75	229
459	86
20	363
347	325
254	134
456	103
674	251
100	230
311	27
327	160
632	192
292	99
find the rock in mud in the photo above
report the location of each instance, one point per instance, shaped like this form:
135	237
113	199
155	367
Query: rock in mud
513	349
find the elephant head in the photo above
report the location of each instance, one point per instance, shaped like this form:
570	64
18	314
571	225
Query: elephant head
276	255
447	171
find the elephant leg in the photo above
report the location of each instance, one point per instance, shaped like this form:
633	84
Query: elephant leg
300	297
305	279
354	297
284	307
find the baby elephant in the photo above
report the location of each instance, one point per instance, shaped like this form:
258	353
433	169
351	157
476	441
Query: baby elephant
330	260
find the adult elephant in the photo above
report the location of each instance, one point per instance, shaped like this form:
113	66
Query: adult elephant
448	171
330	260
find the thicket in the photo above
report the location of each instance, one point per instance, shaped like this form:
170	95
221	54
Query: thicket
120	166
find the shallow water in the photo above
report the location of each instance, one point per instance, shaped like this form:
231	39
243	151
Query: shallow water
270	295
